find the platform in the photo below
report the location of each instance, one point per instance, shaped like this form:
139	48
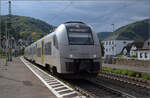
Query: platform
17	81
144	69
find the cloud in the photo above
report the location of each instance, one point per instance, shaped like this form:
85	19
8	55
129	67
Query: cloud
136	18
100	14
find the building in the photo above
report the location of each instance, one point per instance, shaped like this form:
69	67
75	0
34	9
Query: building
144	53
130	49
114	47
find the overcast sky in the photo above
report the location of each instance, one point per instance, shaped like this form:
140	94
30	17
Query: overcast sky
100	14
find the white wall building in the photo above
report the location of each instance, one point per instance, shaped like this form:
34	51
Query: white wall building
114	47
132	50
144	53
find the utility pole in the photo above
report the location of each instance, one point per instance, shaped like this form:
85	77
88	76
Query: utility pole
113	25
9	32
0	30
149	29
6	49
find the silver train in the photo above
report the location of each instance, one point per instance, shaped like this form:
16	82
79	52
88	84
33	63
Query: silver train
73	49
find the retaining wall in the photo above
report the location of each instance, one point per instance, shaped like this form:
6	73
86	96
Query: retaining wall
132	62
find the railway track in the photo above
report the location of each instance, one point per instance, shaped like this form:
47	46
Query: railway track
106	85
113	86
88	89
94	90
128	86
127	79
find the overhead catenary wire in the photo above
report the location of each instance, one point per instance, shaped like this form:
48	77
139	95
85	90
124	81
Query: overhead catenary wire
61	11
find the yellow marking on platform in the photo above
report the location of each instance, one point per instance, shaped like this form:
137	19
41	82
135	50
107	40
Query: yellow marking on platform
49	41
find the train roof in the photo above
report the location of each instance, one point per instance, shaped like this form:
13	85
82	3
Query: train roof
74	22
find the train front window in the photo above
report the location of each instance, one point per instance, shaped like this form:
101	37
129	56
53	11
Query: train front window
80	38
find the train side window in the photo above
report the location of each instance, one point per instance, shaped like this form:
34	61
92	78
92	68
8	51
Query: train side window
48	48
39	52
55	41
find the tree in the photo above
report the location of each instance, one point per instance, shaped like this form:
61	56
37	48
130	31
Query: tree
102	47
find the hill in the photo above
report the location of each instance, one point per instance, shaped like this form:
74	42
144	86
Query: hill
138	31
103	35
26	28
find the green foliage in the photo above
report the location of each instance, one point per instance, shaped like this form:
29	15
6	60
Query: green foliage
117	71
119	56
131	73
2	55
133	56
137	75
137	31
102	47
124	72
103	35
145	76
26	28
127	72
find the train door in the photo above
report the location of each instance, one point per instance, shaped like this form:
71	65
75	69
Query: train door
36	51
42	51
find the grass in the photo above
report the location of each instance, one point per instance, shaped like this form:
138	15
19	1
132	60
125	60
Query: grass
145	76
119	56
130	73
2	56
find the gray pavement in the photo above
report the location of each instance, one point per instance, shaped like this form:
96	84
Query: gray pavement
144	69
17	81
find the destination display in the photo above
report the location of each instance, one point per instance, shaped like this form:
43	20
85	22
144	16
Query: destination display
78	30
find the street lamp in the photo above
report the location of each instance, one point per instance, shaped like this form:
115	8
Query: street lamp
113	25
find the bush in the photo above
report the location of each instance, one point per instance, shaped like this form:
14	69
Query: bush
127	72
104	68
107	69
118	71
146	76
2	55
137	75
124	72
131	73
119	56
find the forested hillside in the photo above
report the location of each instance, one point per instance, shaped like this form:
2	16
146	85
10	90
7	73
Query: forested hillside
26	28
138	31
103	35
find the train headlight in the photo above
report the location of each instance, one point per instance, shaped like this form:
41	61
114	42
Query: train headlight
71	56
94	56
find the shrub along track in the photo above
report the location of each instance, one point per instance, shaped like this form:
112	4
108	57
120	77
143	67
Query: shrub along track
130	85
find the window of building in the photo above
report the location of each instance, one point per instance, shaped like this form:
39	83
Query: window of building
106	49
140	55
106	42
148	43
112	42
145	55
109	42
112	48
136	54
124	42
